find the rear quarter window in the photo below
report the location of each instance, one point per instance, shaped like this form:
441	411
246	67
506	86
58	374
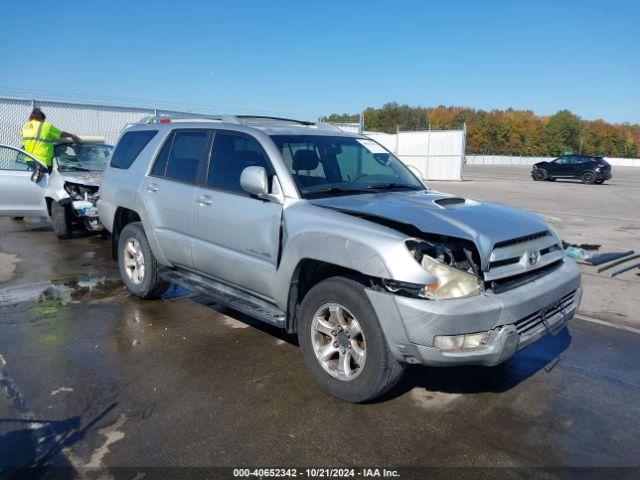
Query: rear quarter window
129	146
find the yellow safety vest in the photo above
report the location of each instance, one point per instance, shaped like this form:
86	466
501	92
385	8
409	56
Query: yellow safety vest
38	138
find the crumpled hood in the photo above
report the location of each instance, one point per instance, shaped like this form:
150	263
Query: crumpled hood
483	223
83	178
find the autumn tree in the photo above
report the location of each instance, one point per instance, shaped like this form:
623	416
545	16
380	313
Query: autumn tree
508	132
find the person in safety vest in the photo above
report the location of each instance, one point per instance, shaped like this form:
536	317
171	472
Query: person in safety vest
38	137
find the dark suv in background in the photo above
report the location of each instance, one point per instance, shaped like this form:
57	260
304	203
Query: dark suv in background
586	168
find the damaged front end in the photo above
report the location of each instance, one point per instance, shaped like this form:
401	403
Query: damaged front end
449	262
82	200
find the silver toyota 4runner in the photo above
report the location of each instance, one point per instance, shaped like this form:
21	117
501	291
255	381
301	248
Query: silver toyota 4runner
328	235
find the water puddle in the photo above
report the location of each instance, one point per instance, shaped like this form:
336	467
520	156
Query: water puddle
8	264
176	291
62	291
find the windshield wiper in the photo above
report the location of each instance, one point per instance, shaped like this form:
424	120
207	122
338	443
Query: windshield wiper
338	190
393	186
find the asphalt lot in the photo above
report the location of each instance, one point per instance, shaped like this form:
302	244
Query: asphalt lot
92	377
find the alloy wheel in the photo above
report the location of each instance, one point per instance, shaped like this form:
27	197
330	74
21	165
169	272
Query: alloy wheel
338	341
134	260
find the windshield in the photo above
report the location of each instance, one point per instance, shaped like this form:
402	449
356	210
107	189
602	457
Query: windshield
333	165
82	157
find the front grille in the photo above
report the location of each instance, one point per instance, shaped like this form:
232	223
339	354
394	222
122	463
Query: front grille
526	325
522	255
526	238
506	284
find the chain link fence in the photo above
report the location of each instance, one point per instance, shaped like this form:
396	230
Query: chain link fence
78	118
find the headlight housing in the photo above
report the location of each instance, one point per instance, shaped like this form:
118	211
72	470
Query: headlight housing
451	281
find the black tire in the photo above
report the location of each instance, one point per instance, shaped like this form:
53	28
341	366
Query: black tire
151	285
381	370
540	174
61	220
588	178
599	182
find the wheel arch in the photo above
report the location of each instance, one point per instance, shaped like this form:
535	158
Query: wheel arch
308	273
122	217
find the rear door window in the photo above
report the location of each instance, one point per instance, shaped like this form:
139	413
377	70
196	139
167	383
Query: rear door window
232	153
188	151
129	146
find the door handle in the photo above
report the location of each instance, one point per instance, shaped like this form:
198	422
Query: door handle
204	201
152	188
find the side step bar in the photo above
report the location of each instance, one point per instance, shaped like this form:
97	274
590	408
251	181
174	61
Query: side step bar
226	295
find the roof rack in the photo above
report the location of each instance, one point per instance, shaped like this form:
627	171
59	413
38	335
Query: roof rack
238	119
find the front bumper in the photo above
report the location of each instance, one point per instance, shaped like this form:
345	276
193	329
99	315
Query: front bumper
515	319
85	212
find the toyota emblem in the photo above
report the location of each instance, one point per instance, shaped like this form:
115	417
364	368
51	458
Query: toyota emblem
534	257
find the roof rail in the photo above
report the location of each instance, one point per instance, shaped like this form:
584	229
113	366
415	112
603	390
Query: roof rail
164	118
241	119
265	120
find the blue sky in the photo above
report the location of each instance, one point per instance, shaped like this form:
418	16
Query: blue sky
312	58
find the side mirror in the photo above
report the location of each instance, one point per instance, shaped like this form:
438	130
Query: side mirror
37	173
255	180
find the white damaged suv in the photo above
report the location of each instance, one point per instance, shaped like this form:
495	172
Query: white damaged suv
328	235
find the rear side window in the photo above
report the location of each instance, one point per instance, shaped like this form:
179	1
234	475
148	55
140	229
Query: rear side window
232	153
129	146
188	149
161	162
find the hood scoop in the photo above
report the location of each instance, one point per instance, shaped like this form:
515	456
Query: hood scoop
454	202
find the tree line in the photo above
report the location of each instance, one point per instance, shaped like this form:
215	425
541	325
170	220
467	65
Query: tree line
508	132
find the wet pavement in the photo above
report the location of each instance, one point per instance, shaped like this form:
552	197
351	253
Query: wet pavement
92	377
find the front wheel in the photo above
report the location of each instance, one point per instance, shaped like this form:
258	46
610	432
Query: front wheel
540	174
588	178
61	220
342	343
137	264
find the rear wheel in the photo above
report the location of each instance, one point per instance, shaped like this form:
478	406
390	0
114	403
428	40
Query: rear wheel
342	343
540	174
61	220
137	264
588	177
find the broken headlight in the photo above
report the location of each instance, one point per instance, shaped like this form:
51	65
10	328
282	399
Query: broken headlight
452	268
450	282
81	192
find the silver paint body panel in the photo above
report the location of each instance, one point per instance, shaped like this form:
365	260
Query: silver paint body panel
256	245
